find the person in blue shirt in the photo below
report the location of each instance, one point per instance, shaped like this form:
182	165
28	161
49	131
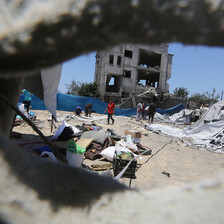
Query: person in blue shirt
27	99
78	110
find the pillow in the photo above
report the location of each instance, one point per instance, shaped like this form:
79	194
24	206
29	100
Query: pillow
97	136
108	153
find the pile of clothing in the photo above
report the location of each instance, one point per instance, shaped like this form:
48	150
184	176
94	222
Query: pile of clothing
85	139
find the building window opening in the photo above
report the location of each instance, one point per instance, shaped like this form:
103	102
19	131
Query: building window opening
149	59
146	78
119	60
113	83
124	95
128	54
127	74
111	59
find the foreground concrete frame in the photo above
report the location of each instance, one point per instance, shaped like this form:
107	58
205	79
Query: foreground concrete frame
37	34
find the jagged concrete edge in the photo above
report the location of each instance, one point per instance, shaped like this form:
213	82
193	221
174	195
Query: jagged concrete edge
208	201
36	34
59	183
190	203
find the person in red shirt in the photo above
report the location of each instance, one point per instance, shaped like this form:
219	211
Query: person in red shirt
111	111
143	111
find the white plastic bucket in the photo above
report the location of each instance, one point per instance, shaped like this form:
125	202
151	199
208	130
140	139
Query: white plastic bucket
74	159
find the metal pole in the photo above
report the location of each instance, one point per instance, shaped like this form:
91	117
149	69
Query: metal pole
222	95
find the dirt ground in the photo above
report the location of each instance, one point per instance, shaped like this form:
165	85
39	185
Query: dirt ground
172	155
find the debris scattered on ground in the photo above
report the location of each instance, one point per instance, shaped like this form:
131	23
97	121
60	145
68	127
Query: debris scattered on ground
88	142
207	133
100	167
165	173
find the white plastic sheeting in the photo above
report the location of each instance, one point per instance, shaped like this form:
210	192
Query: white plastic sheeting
45	86
86	119
61	128
49	156
207	133
178	118
215	112
50	79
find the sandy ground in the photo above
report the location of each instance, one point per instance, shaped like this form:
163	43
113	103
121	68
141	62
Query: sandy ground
183	163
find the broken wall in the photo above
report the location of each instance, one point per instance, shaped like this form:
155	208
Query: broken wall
133	67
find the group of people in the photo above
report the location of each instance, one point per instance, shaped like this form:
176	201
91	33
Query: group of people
88	110
143	111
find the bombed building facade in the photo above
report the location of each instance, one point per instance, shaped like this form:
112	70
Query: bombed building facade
128	70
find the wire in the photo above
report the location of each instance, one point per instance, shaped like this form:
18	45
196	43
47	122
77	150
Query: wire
140	165
125	168
54	148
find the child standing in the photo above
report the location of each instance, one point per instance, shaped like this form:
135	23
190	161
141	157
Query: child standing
111	111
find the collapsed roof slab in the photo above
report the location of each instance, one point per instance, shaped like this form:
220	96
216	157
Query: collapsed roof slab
145	74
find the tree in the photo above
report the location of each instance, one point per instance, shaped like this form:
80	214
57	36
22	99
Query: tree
83	89
73	88
181	92
204	98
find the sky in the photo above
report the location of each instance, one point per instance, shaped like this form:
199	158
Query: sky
197	68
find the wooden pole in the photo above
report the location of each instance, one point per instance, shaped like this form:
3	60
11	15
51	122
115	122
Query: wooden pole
52	123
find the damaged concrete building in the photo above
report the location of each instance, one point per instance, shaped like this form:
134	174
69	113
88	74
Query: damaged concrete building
126	71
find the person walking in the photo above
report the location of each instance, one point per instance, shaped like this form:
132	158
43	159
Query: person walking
111	111
152	111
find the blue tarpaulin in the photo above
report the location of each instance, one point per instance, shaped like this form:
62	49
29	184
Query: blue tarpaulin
171	110
70	102
36	103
